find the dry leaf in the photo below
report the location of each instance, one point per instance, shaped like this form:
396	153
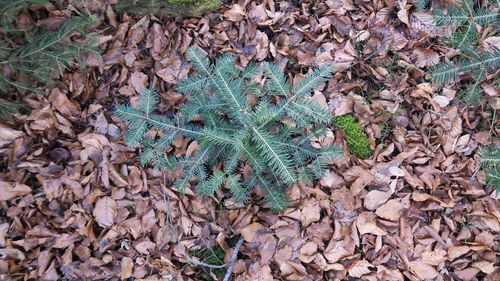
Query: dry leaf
423	271
390	210
433	257
310	214
376	198
360	268
236	13
457	251
105	211
366	224
8	135
127	266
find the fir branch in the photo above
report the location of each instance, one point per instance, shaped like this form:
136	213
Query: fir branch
447	72
235	131
274	155
277	81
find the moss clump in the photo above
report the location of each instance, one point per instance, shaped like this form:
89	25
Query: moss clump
356	138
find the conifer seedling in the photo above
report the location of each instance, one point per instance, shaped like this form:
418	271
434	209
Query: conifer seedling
236	131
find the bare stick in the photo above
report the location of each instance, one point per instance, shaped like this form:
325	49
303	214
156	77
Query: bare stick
236	249
200	263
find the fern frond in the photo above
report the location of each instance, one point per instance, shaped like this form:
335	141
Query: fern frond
472	92
309	109
47	54
465	13
455	16
227	66
230	92
484	17
265	113
464	37
421	4
133	116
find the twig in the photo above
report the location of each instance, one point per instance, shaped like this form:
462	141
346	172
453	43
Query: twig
236	249
232	260
200	263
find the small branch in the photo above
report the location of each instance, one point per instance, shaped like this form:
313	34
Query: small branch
200	263
232	260
236	249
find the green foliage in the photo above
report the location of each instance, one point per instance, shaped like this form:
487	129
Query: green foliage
10	9
43	55
356	138
173	7
487	60
235	132
8	108
212	256
490	162
421	4
466	18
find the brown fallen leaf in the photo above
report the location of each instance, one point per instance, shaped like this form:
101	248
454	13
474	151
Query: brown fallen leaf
127	266
235	14
105	211
457	251
391	210
249	232
310	214
366	224
359	268
8	192
423	271
139	81
307	253
433	257
375	198
8	135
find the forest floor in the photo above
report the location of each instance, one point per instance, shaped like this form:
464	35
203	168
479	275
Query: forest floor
76	205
